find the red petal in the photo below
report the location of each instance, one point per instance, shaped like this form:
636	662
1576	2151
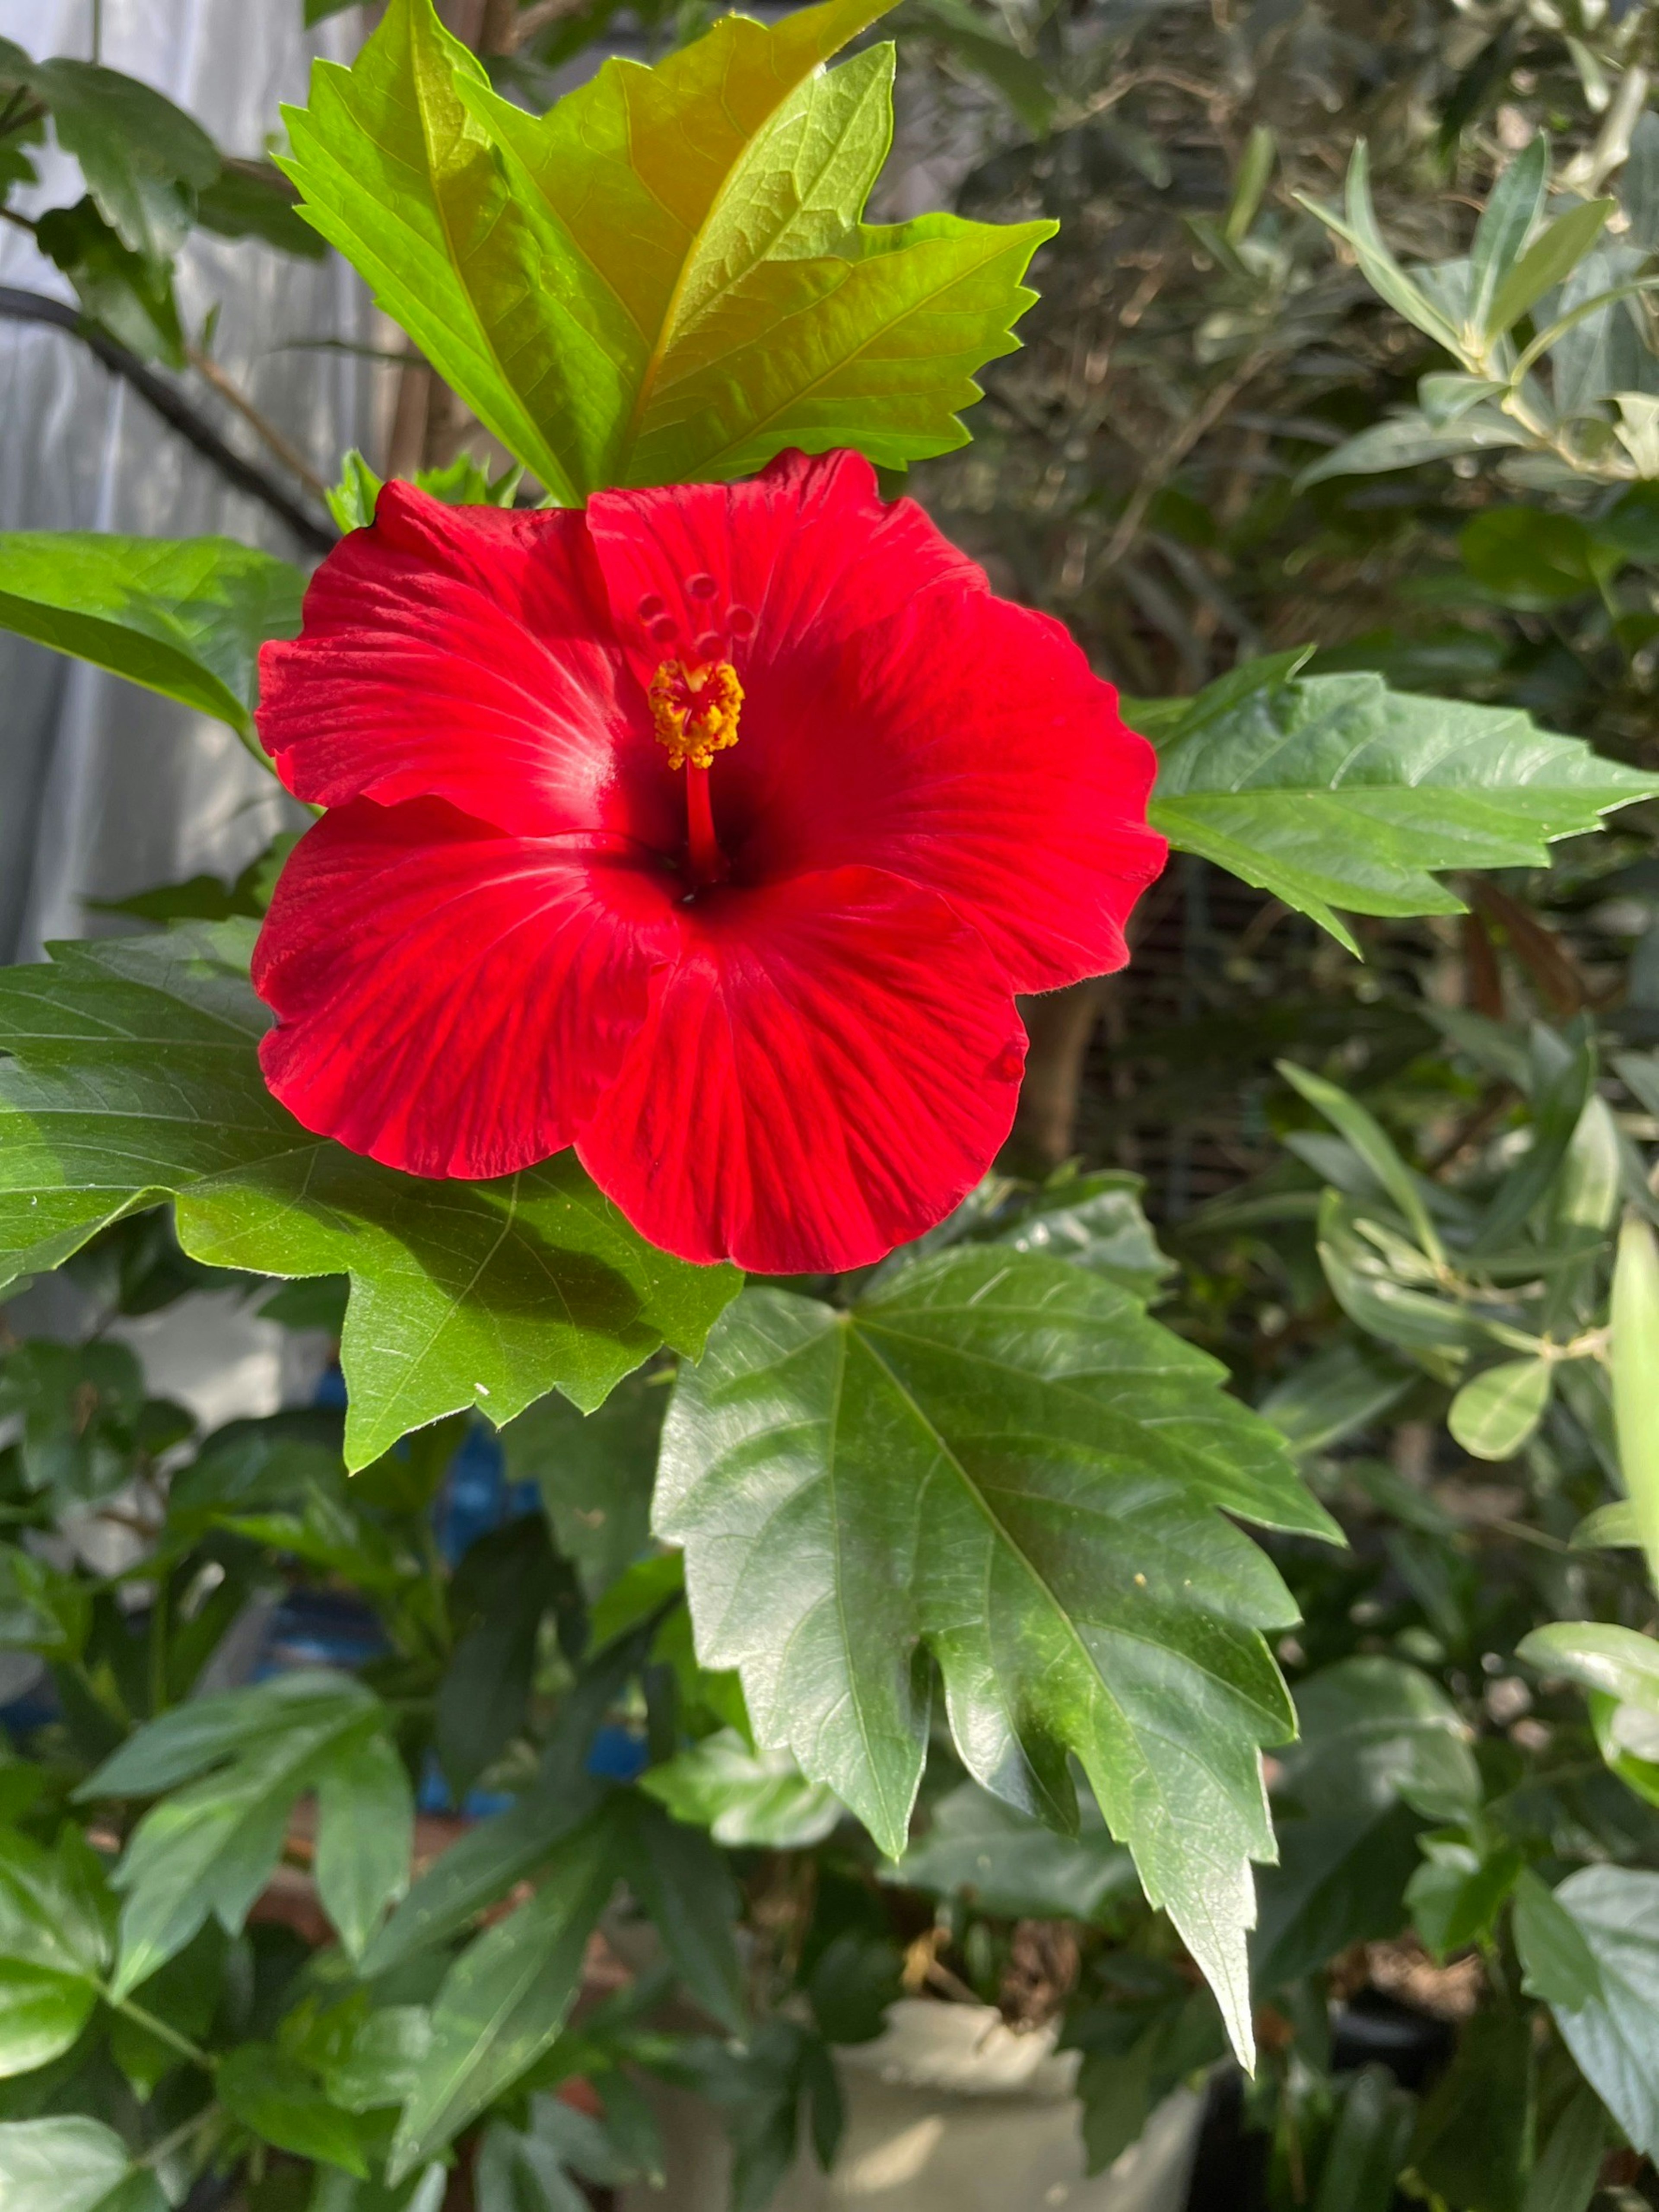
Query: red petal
451	1000
896	714
828	1068
466	653
807	545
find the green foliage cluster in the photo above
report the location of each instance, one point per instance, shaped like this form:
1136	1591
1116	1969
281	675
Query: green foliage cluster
918	1603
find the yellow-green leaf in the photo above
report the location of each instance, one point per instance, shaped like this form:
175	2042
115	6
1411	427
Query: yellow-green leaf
1636	1378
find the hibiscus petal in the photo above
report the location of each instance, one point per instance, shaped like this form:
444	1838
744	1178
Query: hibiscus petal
828	1067
897	714
808	545
451	1000
466	653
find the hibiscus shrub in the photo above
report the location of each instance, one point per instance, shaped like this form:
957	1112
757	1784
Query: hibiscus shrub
690	817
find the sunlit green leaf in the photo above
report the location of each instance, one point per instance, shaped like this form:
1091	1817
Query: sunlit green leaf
1614	2034
184	616
1334	793
665	277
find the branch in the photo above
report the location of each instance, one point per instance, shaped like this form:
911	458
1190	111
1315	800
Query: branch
174	410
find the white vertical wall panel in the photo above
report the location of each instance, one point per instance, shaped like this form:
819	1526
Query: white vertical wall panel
105	789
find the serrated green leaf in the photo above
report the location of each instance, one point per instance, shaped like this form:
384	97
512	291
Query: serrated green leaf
665	277
183	617
1001	1458
131	297
72	2165
507	1996
1614	2036
1333	792
135	1078
1494	1413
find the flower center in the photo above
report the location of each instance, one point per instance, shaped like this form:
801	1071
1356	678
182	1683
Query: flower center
694	709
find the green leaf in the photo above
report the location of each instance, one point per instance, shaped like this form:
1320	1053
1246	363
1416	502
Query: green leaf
683	1883
1599	1656
745	1798
1635	1365
1457	1893
1474	2133
1095	1221
1358	228
1003	1861
1552	255
42	1608
253	199
72	2165
1555	1958
57	1921
1358	1268
1530	560
276	2099
1494	1415
143	159
1001	1459
183	617
365	1836
1341	1879
505	1583
1612	1526
1345	1387
1516	200
665	277
1333	792
209	1848
136	1077
1409	438
131	297
594	1472
507	1996
1569	2164
1366	1134
1372	1731
1615	2037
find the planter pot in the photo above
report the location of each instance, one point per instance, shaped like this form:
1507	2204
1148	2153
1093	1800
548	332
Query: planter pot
948	2111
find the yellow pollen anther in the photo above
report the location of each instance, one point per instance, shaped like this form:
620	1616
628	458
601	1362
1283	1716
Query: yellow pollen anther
695	709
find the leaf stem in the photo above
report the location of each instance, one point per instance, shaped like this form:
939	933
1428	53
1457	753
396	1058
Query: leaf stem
160	2028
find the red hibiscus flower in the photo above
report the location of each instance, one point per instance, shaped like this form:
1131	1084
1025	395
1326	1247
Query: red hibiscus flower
712	830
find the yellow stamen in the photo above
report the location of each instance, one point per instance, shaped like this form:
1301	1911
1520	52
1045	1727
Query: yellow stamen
695	709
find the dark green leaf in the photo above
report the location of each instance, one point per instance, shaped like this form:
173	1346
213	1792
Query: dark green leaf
137	1075
184	616
682	1884
1367	2147
253	199
1001	1457
1569	2164
1373	1730
1474	2134
1333	792
364	1836
1004	1862
1347	1386
1560	1964
1457	1894
505	1583
143	159
131	297
594	1472
1340	1879
266	2091
507	1996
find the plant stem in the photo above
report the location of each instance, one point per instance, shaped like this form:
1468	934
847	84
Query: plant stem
266	431
159	2028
